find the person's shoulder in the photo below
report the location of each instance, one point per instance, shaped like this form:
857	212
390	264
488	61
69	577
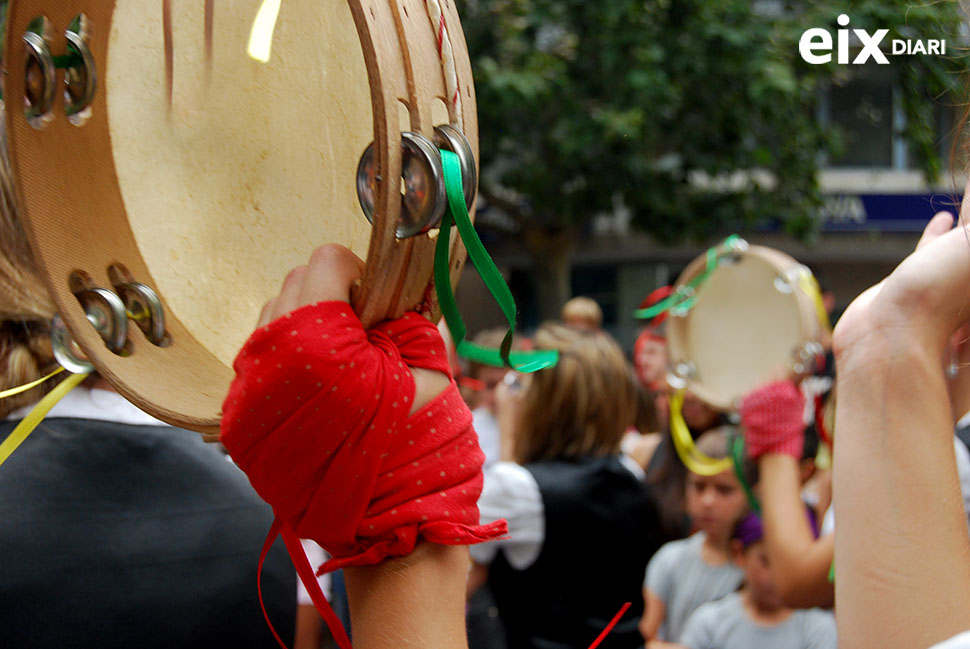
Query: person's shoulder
672	551
816	618
709	620
632	467
508	483
816	628
693	543
678	546
508	474
721	607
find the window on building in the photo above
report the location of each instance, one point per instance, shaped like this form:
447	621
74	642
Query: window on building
861	106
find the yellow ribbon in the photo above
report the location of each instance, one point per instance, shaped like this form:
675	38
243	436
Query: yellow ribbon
693	459
810	287
35	416
23	388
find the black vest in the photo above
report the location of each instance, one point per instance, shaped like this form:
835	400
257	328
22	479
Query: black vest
601	528
114	535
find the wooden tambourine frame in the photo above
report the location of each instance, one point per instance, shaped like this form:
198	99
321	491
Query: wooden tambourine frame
750	316
75	216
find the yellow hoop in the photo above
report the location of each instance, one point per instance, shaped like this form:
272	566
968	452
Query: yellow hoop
693	459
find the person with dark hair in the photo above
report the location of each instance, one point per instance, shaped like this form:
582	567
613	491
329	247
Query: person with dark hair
668	475
686	573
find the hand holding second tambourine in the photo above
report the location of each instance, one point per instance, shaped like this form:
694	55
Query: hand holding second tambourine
771	418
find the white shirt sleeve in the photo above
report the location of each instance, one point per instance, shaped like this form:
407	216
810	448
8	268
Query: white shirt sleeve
510	492
317	557
963	470
828	522
489	436
961	641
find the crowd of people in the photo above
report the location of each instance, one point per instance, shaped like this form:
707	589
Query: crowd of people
707	574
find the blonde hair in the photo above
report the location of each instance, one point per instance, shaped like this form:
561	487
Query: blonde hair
26	306
582	312
580	407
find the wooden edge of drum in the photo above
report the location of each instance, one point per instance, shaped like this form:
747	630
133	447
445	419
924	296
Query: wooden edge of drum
469	125
676	328
677	325
57	201
404	68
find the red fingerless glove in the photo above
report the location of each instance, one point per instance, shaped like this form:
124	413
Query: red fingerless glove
772	420
318	419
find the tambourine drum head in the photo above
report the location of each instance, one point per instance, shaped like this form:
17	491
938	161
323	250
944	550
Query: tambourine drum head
249	165
740	328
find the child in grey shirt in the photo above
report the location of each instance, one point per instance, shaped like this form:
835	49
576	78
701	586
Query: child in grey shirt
755	617
684	574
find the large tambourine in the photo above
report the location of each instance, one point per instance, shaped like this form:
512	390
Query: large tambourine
173	159
753	310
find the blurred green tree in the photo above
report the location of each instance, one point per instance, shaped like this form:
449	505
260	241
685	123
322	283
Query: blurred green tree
585	105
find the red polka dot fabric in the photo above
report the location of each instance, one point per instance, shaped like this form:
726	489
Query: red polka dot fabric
318	418
771	417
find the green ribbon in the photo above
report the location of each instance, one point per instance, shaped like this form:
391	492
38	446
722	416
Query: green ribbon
685	296
70	60
457	213
737	455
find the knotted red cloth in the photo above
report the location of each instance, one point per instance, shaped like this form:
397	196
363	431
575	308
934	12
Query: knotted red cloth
771	418
318	418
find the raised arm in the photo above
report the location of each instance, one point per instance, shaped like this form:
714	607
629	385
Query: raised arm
799	561
404	591
771	417
902	555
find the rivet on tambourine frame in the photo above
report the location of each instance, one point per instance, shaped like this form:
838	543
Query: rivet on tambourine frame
798	274
449	138
676	382
39	80
145	308
783	285
423	200
106	312
732	251
804	357
66	351
684	292
80	81
680	373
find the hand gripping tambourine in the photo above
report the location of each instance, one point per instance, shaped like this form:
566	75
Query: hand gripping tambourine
742	311
174	159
